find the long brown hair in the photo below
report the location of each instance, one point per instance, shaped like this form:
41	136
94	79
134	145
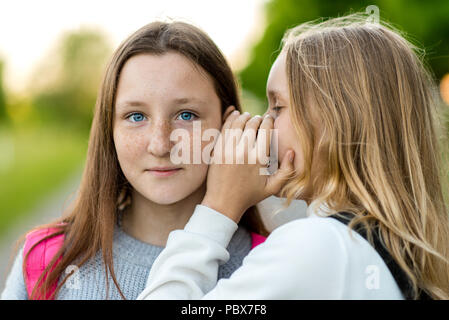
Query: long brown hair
378	136
89	224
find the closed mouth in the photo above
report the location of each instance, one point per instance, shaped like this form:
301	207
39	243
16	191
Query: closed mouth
164	169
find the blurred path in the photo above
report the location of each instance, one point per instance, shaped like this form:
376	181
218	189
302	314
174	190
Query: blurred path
51	208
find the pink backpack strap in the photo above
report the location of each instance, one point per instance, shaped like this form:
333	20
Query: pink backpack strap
41	255
256	239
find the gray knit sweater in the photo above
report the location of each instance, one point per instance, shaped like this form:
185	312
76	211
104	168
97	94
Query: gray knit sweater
132	263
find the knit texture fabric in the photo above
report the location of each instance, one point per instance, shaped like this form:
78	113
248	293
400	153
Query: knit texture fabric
132	263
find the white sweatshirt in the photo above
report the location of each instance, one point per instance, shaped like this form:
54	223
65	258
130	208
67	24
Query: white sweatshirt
309	258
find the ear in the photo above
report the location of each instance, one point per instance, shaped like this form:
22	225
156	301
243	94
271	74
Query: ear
228	112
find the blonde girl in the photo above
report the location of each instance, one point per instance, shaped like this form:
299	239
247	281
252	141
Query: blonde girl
355	104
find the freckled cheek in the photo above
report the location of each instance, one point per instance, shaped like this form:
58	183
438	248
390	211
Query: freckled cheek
203	138
129	146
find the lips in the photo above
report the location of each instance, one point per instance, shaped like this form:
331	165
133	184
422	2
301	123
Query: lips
163	171
163	168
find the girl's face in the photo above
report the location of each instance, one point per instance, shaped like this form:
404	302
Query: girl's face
157	94
279	109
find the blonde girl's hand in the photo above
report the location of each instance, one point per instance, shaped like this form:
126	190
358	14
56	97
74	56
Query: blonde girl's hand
234	181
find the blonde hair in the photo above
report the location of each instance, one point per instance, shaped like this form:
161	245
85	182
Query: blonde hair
378	139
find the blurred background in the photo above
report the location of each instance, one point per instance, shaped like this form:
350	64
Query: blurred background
53	55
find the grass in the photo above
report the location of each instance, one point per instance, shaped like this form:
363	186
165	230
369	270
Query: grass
43	158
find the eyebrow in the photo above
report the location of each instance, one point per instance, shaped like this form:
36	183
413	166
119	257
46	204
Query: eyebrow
137	103
188	100
132	103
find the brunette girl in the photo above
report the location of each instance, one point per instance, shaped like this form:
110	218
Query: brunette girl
163	77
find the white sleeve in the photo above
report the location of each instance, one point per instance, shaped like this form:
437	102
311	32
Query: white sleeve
303	259
188	266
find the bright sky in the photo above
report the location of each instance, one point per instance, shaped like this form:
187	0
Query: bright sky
28	28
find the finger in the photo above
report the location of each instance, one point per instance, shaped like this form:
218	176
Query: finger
240	122
250	131
227	112
218	152
231	115
276	181
254	122
229	120
236	129
248	140
264	137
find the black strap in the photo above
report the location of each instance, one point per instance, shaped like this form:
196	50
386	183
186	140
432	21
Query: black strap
399	275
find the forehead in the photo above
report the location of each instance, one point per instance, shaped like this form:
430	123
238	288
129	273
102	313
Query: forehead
277	84
157	76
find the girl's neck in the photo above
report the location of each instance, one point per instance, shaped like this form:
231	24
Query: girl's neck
151	222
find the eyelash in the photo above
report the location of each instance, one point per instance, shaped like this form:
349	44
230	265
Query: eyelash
194	115
277	109
131	114
134	113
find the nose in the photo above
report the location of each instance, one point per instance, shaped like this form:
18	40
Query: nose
159	138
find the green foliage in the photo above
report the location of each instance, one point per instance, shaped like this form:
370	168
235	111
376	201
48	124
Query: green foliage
427	23
3	115
48	135
73	74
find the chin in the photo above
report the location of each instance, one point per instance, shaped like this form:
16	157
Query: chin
165	199
168	192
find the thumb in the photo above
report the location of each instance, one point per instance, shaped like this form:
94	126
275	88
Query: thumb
286	170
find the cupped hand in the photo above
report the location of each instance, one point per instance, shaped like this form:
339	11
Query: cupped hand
235	180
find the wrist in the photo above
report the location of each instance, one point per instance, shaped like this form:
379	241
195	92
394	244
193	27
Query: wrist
212	224
232	212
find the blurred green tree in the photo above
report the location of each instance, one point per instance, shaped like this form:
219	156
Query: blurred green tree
426	23
3	114
64	86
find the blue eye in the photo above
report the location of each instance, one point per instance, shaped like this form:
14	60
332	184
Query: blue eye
136	116
186	115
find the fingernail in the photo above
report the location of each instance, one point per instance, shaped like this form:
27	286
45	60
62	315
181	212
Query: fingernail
236	112
291	155
247	113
